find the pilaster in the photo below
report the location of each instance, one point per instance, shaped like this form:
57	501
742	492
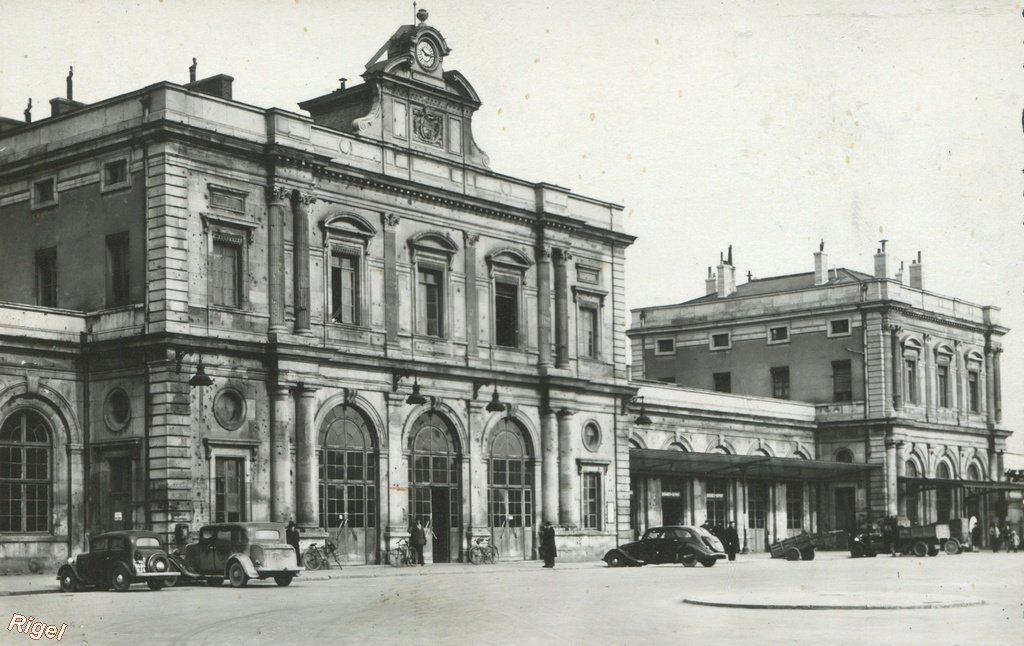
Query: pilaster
549	466
278	197
390	222
300	256
307	472
282	498
568	480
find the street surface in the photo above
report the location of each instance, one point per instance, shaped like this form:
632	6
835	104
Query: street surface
522	603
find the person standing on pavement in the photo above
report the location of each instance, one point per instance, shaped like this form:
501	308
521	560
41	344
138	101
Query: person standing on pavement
417	539
1013	540
993	534
548	549
291	535
975	534
732	541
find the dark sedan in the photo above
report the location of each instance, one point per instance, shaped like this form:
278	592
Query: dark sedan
686	544
117	560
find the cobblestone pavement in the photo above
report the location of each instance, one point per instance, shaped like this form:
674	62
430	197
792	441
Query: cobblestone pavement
572	604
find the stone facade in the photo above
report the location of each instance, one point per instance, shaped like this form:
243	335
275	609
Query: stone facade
392	330
899	378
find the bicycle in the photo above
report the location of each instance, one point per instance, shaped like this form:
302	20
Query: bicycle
401	555
316	557
482	551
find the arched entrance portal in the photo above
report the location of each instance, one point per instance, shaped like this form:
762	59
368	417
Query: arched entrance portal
510	492
434	491
348	483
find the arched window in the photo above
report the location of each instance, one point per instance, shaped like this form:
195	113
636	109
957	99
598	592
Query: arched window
973	472
348	470
25	480
511	478
633	444
844	455
434	474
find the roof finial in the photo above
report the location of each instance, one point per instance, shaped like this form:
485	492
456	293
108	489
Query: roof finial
750	276
192	70
28	111
70	83
421	15
821	245
729	259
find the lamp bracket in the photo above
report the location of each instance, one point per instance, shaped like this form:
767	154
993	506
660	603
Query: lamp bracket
478	384
397	376
627	400
179	356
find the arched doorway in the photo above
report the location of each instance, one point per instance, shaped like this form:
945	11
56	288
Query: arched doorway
434	479
510	491
348	483
913	495
25	474
943	494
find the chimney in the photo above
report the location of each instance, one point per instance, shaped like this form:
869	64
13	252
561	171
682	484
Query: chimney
899	274
217	85
710	284
28	111
916	279
341	82
820	265
882	262
70	83
726	281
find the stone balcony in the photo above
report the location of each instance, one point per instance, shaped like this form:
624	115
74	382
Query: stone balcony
68	326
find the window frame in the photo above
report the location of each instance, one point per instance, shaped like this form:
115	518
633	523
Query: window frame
47	255
36	201
432	251
245	456
584	311
231	231
771	329
422	317
831	333
942	385
23	482
794	503
658	352
122	241
107	186
717	348
715	376
973	383
778	373
592	521
348	233
508	267
589	298
849	376
911	390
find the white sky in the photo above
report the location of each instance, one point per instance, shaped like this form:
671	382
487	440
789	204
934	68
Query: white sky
763	125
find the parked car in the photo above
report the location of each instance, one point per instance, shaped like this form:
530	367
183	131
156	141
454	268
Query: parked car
686	544
239	552
868	544
117	560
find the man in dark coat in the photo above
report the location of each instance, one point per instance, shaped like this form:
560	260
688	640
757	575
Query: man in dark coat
548	550
732	541
291	535
417	539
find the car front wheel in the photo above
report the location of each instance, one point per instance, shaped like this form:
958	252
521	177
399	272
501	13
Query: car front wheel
283	580
120	579
708	562
237	575
68	581
155	584
688	560
615	560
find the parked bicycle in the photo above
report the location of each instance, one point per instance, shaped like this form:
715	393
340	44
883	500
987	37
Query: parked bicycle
482	551
401	555
318	558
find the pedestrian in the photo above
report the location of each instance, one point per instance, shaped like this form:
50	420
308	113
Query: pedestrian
732	541
291	535
548	549
993	534
707	526
1013	541
417	539
975	534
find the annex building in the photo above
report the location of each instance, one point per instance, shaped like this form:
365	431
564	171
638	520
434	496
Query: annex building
819	401
212	311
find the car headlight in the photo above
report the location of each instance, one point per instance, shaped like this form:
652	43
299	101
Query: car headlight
71	560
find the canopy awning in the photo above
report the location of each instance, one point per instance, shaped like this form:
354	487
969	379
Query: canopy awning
978	485
702	465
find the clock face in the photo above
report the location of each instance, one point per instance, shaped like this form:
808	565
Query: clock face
426	54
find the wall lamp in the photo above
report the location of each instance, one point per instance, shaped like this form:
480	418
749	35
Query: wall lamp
198	379
495	405
415	397
642	419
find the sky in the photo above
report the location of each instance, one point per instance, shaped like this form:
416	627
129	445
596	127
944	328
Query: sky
765	126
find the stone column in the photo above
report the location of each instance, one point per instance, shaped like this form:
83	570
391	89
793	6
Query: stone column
76	499
279	203
896	350
307	472
477	484
472	299
568	478
544	308
282	498
398	494
561	257
300	255
990	395
549	466
891	480
998	383
901	470
391	221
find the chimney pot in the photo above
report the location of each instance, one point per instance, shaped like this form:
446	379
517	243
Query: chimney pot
725	281
820	265
881	262
916	275
70	83
342	82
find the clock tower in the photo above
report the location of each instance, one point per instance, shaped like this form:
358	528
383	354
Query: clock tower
407	99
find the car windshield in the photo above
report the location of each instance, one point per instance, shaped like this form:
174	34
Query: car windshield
147	541
703	532
266	535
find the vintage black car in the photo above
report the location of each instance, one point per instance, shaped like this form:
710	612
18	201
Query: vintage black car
686	544
239	552
117	560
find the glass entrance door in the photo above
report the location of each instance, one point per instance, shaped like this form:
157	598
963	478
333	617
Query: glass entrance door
434	494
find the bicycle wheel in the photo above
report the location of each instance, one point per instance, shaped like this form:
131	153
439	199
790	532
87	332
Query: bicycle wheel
410	558
395	557
491	554
311	559
476	555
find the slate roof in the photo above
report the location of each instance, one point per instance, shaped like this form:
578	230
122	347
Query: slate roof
786	283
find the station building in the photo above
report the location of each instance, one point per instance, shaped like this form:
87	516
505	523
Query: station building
852	396
212	311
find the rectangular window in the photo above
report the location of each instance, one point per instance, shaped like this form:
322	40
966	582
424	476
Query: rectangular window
778	334
910	377
665	346
345	288
592	501
721	341
757	504
973	393
117	269
115	174
226	272
229	491
588	332
839	327
399	120
716	502
942	377
430	302
46	277
506	314
780	383
723	382
794	505
842	381
44	192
